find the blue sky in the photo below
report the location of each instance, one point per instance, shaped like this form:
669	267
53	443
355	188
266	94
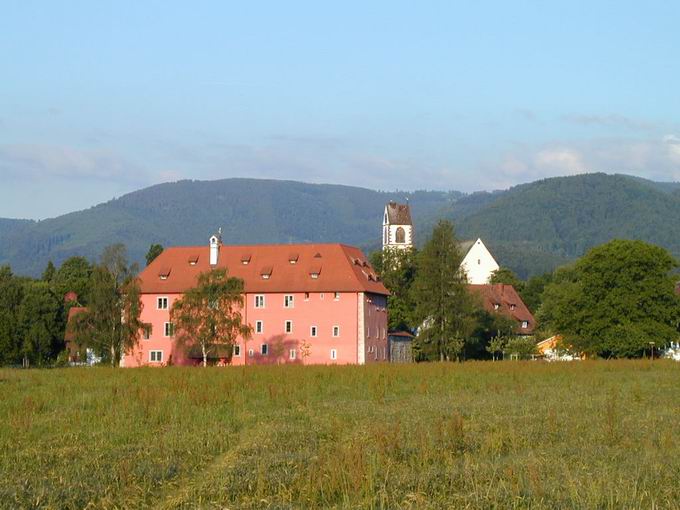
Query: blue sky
101	98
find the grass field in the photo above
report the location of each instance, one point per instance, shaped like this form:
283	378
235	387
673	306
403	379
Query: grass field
472	435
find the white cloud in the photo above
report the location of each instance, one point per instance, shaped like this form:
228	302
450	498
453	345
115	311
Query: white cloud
31	161
653	158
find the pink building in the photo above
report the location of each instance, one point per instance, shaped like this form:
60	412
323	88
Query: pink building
306	303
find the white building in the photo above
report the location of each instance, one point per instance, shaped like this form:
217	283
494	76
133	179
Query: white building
397	226
478	262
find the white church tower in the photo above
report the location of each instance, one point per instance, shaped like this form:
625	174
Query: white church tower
397	226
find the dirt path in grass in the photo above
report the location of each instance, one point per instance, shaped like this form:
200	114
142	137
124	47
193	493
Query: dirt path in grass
186	492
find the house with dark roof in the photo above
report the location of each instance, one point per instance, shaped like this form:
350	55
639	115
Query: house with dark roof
306	304
504	299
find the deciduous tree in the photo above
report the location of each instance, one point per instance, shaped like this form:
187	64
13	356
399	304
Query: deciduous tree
615	300
209	315
111	325
397	269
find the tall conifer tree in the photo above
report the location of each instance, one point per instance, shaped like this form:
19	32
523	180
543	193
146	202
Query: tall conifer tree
443	303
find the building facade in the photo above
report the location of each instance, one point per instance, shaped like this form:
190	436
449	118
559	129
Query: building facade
478	262
306	304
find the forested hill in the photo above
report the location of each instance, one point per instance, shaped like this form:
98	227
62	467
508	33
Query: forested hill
531	228
188	212
550	221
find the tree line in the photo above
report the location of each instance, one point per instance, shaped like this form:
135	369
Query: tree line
618	300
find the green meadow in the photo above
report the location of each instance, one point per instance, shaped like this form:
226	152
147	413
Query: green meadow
597	434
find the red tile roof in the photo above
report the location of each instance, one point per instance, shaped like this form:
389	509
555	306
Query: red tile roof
504	299
332	263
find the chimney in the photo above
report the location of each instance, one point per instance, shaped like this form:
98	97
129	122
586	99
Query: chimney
215	243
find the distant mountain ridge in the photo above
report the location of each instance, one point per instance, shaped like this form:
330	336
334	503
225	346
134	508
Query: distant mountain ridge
531	228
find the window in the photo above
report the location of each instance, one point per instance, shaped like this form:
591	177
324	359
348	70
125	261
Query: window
479	262
512	307
321	296
259	326
237	350
169	329
288	301
336	296
496	306
289	326
162	303
525	324
156	356
312	331
259	301
251	353
264	349
336	331
306	296
293	354
334	354
146	332
400	235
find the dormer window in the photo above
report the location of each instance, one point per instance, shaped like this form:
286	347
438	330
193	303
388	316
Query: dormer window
525	324
314	272
293	258
245	259
164	273
266	272
496	306
193	260
317	256
512	306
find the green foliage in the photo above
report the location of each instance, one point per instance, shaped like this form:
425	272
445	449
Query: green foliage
522	348
209	315
11	295
73	276
615	300
488	328
443	305
397	270
49	272
507	276
40	324
592	434
111	324
154	251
